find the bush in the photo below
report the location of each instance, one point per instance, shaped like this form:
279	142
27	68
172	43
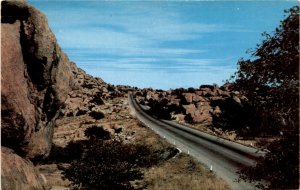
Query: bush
97	132
81	112
97	99
71	152
96	115
280	167
110	165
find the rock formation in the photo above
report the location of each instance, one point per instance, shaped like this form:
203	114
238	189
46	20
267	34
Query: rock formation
190	105
18	173
36	77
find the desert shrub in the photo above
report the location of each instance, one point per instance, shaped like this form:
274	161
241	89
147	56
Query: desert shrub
96	115
70	114
88	85
73	151
178	91
191	90
138	93
211	87
97	132
110	88
110	165
188	118
97	99
81	112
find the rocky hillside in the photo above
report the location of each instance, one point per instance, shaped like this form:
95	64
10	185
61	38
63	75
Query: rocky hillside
45	97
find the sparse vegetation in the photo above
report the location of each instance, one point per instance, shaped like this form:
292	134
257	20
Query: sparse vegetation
97	99
97	114
81	112
145	162
97	133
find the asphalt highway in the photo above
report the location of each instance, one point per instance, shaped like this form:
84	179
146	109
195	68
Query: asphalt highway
221	156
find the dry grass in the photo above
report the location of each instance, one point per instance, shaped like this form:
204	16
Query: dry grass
257	142
229	135
53	175
182	172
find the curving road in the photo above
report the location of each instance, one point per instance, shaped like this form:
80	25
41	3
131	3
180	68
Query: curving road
223	157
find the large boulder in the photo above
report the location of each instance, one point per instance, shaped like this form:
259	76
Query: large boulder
199	114
202	117
18	173
36	77
188	97
189	109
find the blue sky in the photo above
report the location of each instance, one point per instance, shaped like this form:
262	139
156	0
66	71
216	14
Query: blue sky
160	44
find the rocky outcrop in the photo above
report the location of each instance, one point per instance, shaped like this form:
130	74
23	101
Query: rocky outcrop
18	173
91	95
200	105
36	77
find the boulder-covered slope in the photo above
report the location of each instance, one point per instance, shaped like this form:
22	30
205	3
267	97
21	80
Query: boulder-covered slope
36	77
200	105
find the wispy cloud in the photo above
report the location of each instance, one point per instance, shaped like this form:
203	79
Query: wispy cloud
147	64
134	29
134	41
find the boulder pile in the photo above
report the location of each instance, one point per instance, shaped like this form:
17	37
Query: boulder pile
189	105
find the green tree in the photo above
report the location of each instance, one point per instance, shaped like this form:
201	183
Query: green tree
270	80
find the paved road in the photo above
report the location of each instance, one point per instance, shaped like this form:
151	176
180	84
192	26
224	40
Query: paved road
222	156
